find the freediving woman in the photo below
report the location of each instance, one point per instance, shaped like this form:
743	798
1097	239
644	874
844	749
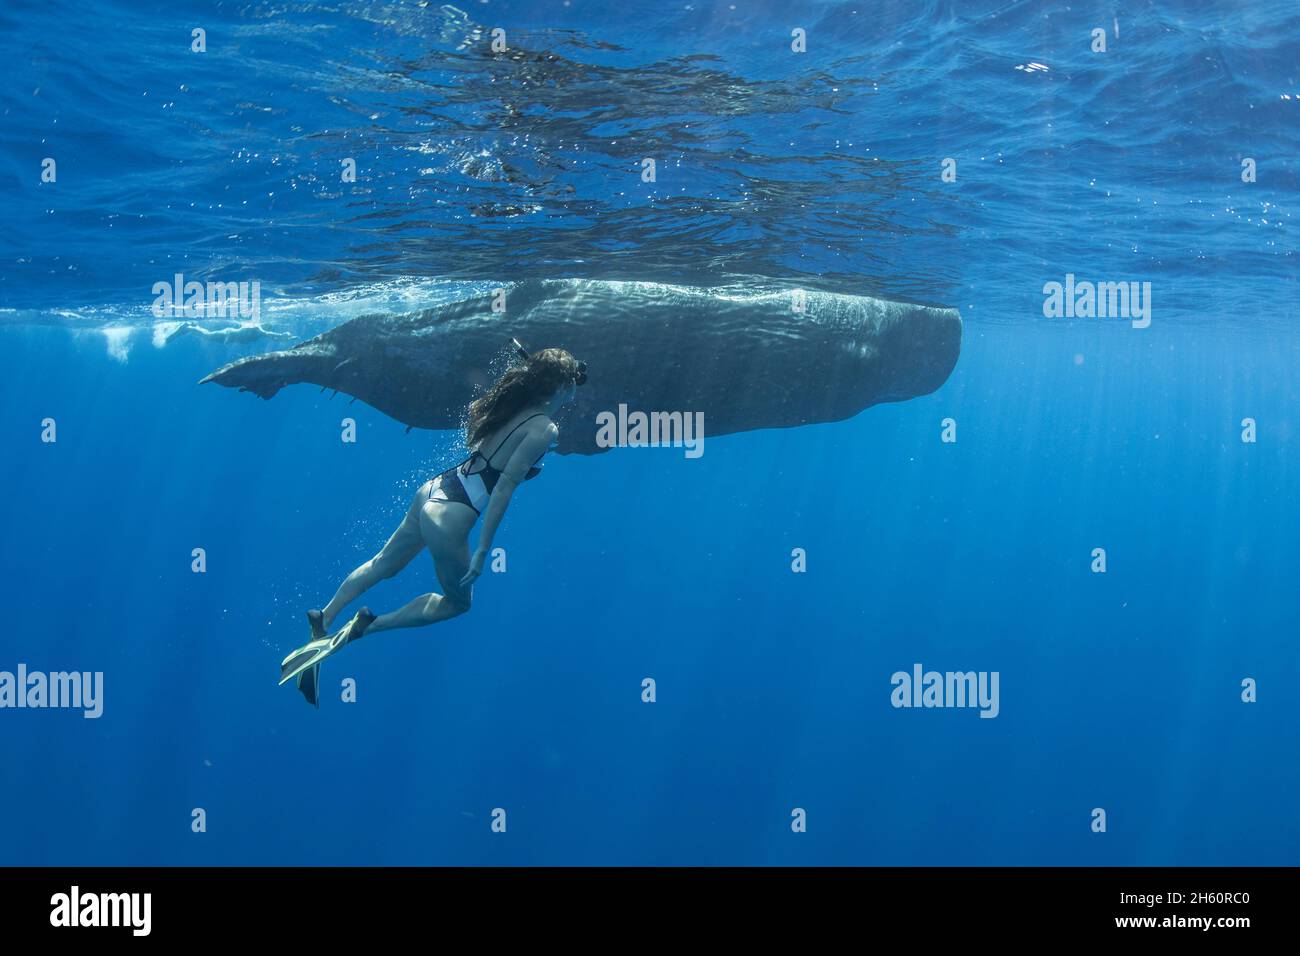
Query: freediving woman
513	419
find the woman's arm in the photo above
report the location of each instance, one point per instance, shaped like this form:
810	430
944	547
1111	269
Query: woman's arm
531	447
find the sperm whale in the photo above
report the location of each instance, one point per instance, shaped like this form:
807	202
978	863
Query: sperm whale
746	356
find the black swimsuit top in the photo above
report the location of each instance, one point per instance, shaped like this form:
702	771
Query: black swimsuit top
489	473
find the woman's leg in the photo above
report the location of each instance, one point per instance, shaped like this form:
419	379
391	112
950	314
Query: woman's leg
444	527
404	545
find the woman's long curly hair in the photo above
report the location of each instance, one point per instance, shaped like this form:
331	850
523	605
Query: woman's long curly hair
533	383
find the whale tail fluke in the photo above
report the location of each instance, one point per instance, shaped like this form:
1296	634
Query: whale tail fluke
266	374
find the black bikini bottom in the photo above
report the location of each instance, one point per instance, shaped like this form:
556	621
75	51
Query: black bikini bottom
448	487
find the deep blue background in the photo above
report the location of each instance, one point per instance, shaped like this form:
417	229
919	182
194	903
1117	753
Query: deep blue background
1118	691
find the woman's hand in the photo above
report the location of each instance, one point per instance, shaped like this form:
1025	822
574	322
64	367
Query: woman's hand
475	568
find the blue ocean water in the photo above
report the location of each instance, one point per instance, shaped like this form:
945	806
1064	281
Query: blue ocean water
821	169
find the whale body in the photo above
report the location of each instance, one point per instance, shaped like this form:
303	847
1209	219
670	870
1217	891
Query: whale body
744	356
